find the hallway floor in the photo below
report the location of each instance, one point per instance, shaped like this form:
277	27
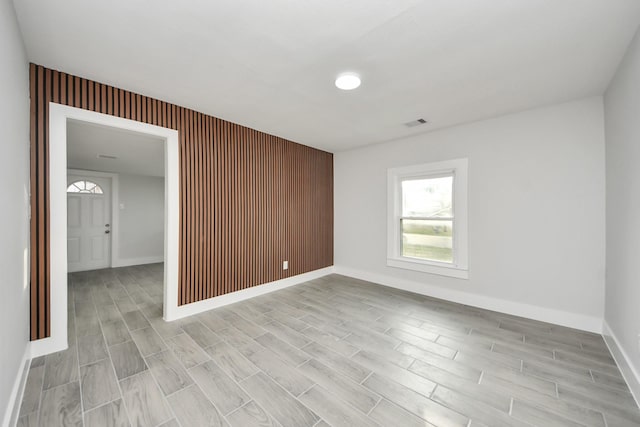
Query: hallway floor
332	351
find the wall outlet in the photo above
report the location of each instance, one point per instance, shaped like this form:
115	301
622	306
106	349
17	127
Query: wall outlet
285	265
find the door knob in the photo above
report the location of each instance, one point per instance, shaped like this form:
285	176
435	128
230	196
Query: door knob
106	225
107	232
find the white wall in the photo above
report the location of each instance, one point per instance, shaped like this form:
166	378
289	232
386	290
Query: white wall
141	234
14	222
622	124
536	212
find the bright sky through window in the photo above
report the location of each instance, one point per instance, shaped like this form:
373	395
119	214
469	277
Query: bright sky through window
429	197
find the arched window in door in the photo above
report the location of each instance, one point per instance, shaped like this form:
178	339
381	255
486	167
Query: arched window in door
86	187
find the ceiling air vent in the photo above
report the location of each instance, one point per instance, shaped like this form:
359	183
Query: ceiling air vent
415	123
106	156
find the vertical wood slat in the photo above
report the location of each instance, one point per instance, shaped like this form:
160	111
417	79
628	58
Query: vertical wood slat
248	200
197	278
40	195
206	219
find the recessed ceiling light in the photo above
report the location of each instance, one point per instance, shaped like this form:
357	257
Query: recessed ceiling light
348	81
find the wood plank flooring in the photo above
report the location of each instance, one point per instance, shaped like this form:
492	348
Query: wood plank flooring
333	351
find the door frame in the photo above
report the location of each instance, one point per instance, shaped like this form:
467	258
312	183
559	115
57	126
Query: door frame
115	220
59	115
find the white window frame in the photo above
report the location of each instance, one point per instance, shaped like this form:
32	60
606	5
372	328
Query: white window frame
459	268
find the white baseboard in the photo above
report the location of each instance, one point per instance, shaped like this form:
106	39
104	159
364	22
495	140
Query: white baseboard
137	261
15	398
48	345
222	300
557	317
629	371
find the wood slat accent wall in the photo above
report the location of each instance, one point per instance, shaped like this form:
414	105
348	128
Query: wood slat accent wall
248	200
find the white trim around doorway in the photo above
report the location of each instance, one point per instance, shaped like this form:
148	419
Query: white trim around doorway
59	115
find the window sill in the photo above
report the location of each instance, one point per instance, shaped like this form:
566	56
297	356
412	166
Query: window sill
440	270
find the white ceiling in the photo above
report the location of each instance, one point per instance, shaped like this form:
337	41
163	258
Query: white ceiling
270	65
136	153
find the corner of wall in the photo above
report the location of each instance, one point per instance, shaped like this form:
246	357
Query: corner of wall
14	218
17	391
630	373
622	129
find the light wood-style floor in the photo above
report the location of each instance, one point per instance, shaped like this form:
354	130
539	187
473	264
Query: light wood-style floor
333	351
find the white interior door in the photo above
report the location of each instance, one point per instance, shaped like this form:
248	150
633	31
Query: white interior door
88	222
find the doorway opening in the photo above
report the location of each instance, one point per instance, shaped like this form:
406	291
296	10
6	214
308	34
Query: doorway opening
101	217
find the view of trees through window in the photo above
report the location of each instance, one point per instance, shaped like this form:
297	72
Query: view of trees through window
427	218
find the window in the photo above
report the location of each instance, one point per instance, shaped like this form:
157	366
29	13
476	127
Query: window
85	187
427	218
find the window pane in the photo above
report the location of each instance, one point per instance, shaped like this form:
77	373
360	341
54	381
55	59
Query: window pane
427	239
428	197
84	187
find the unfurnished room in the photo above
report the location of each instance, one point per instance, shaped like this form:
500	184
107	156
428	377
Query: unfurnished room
408	213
